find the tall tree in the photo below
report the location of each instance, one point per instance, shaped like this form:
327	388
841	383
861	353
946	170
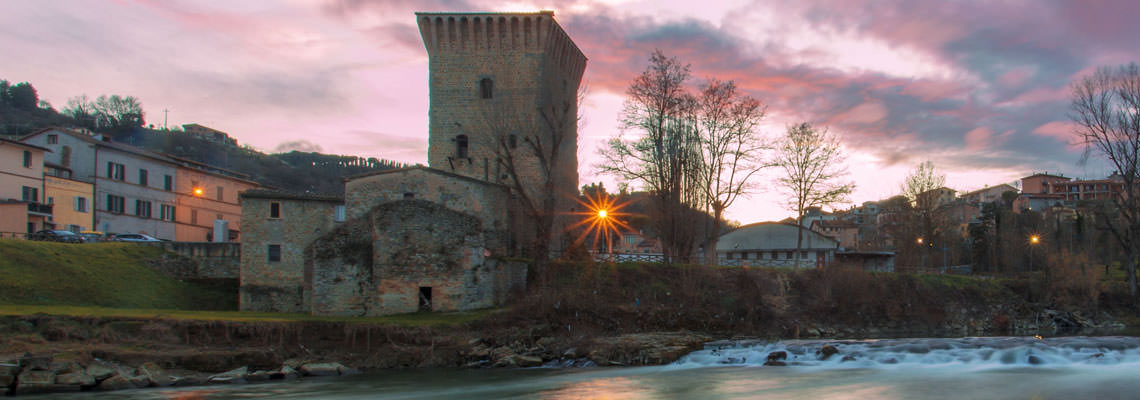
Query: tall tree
1106	110
541	142
731	151
812	162
665	157
23	96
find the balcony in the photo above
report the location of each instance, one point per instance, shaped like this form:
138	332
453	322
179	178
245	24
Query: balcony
39	209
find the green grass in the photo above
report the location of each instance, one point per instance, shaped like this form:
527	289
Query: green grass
99	274
415	319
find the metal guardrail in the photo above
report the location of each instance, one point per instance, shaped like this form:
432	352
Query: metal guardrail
630	257
13	235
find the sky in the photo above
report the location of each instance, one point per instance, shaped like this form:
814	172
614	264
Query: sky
980	88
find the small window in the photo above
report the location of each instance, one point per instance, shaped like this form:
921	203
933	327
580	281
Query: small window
513	141
166	212
143	177
30	194
168	183
142	209
80	204
220	194
115	204
339	213
461	146
27	159
116	171
274	253
274	210
193	217
487	88
53	139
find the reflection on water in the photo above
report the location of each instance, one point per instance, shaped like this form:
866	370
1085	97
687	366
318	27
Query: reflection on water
926	369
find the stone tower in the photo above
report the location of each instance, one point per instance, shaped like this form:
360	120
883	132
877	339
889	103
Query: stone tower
498	81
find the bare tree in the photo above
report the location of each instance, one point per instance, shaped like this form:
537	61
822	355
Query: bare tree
812	163
731	151
665	158
918	187
1106	109
541	142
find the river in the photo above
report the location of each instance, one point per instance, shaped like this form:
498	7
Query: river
959	368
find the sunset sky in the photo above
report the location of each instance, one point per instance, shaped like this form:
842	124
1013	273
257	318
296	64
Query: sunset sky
981	88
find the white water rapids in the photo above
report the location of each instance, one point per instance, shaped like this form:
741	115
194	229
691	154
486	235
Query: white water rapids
962	353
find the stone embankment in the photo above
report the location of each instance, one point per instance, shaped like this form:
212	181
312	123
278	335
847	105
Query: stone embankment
622	350
32	374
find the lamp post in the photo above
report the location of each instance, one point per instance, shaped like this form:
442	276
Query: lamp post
1033	240
602	215
922	252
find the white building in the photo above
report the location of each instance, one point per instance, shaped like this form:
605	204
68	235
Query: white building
773	244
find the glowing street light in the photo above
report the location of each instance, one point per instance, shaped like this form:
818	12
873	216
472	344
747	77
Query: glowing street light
198	191
602	218
1033	241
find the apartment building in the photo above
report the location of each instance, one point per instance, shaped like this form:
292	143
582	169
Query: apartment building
140	191
24	209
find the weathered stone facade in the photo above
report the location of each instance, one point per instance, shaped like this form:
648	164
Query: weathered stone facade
279	285
503	84
406	256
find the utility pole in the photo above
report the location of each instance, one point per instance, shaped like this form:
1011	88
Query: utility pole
164	112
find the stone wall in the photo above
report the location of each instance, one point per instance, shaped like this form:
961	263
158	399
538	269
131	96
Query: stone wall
210	260
377	264
279	286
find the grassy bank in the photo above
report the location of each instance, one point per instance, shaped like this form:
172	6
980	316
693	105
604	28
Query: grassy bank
425	319
100	275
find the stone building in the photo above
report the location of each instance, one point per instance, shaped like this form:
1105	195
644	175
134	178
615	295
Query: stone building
443	237
278	227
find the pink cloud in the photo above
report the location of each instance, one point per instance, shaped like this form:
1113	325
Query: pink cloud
979	139
1060	130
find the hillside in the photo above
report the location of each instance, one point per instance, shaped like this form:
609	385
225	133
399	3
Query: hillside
102	274
122	119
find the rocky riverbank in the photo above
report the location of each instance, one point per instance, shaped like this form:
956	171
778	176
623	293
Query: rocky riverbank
32	374
41	354
572	315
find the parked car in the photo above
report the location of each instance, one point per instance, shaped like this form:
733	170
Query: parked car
92	236
135	237
55	235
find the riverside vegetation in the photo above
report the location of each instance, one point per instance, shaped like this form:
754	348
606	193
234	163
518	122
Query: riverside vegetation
83	336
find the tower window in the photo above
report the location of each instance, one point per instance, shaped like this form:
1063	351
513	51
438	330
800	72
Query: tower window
487	88
461	146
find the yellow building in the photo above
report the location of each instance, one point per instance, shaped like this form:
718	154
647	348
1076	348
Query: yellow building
72	202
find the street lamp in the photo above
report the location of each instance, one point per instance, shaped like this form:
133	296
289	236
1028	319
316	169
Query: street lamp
1033	240
922	252
603	214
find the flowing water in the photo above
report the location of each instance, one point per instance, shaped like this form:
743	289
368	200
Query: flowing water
961	368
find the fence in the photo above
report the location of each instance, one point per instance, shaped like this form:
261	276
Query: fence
630	257
13	235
